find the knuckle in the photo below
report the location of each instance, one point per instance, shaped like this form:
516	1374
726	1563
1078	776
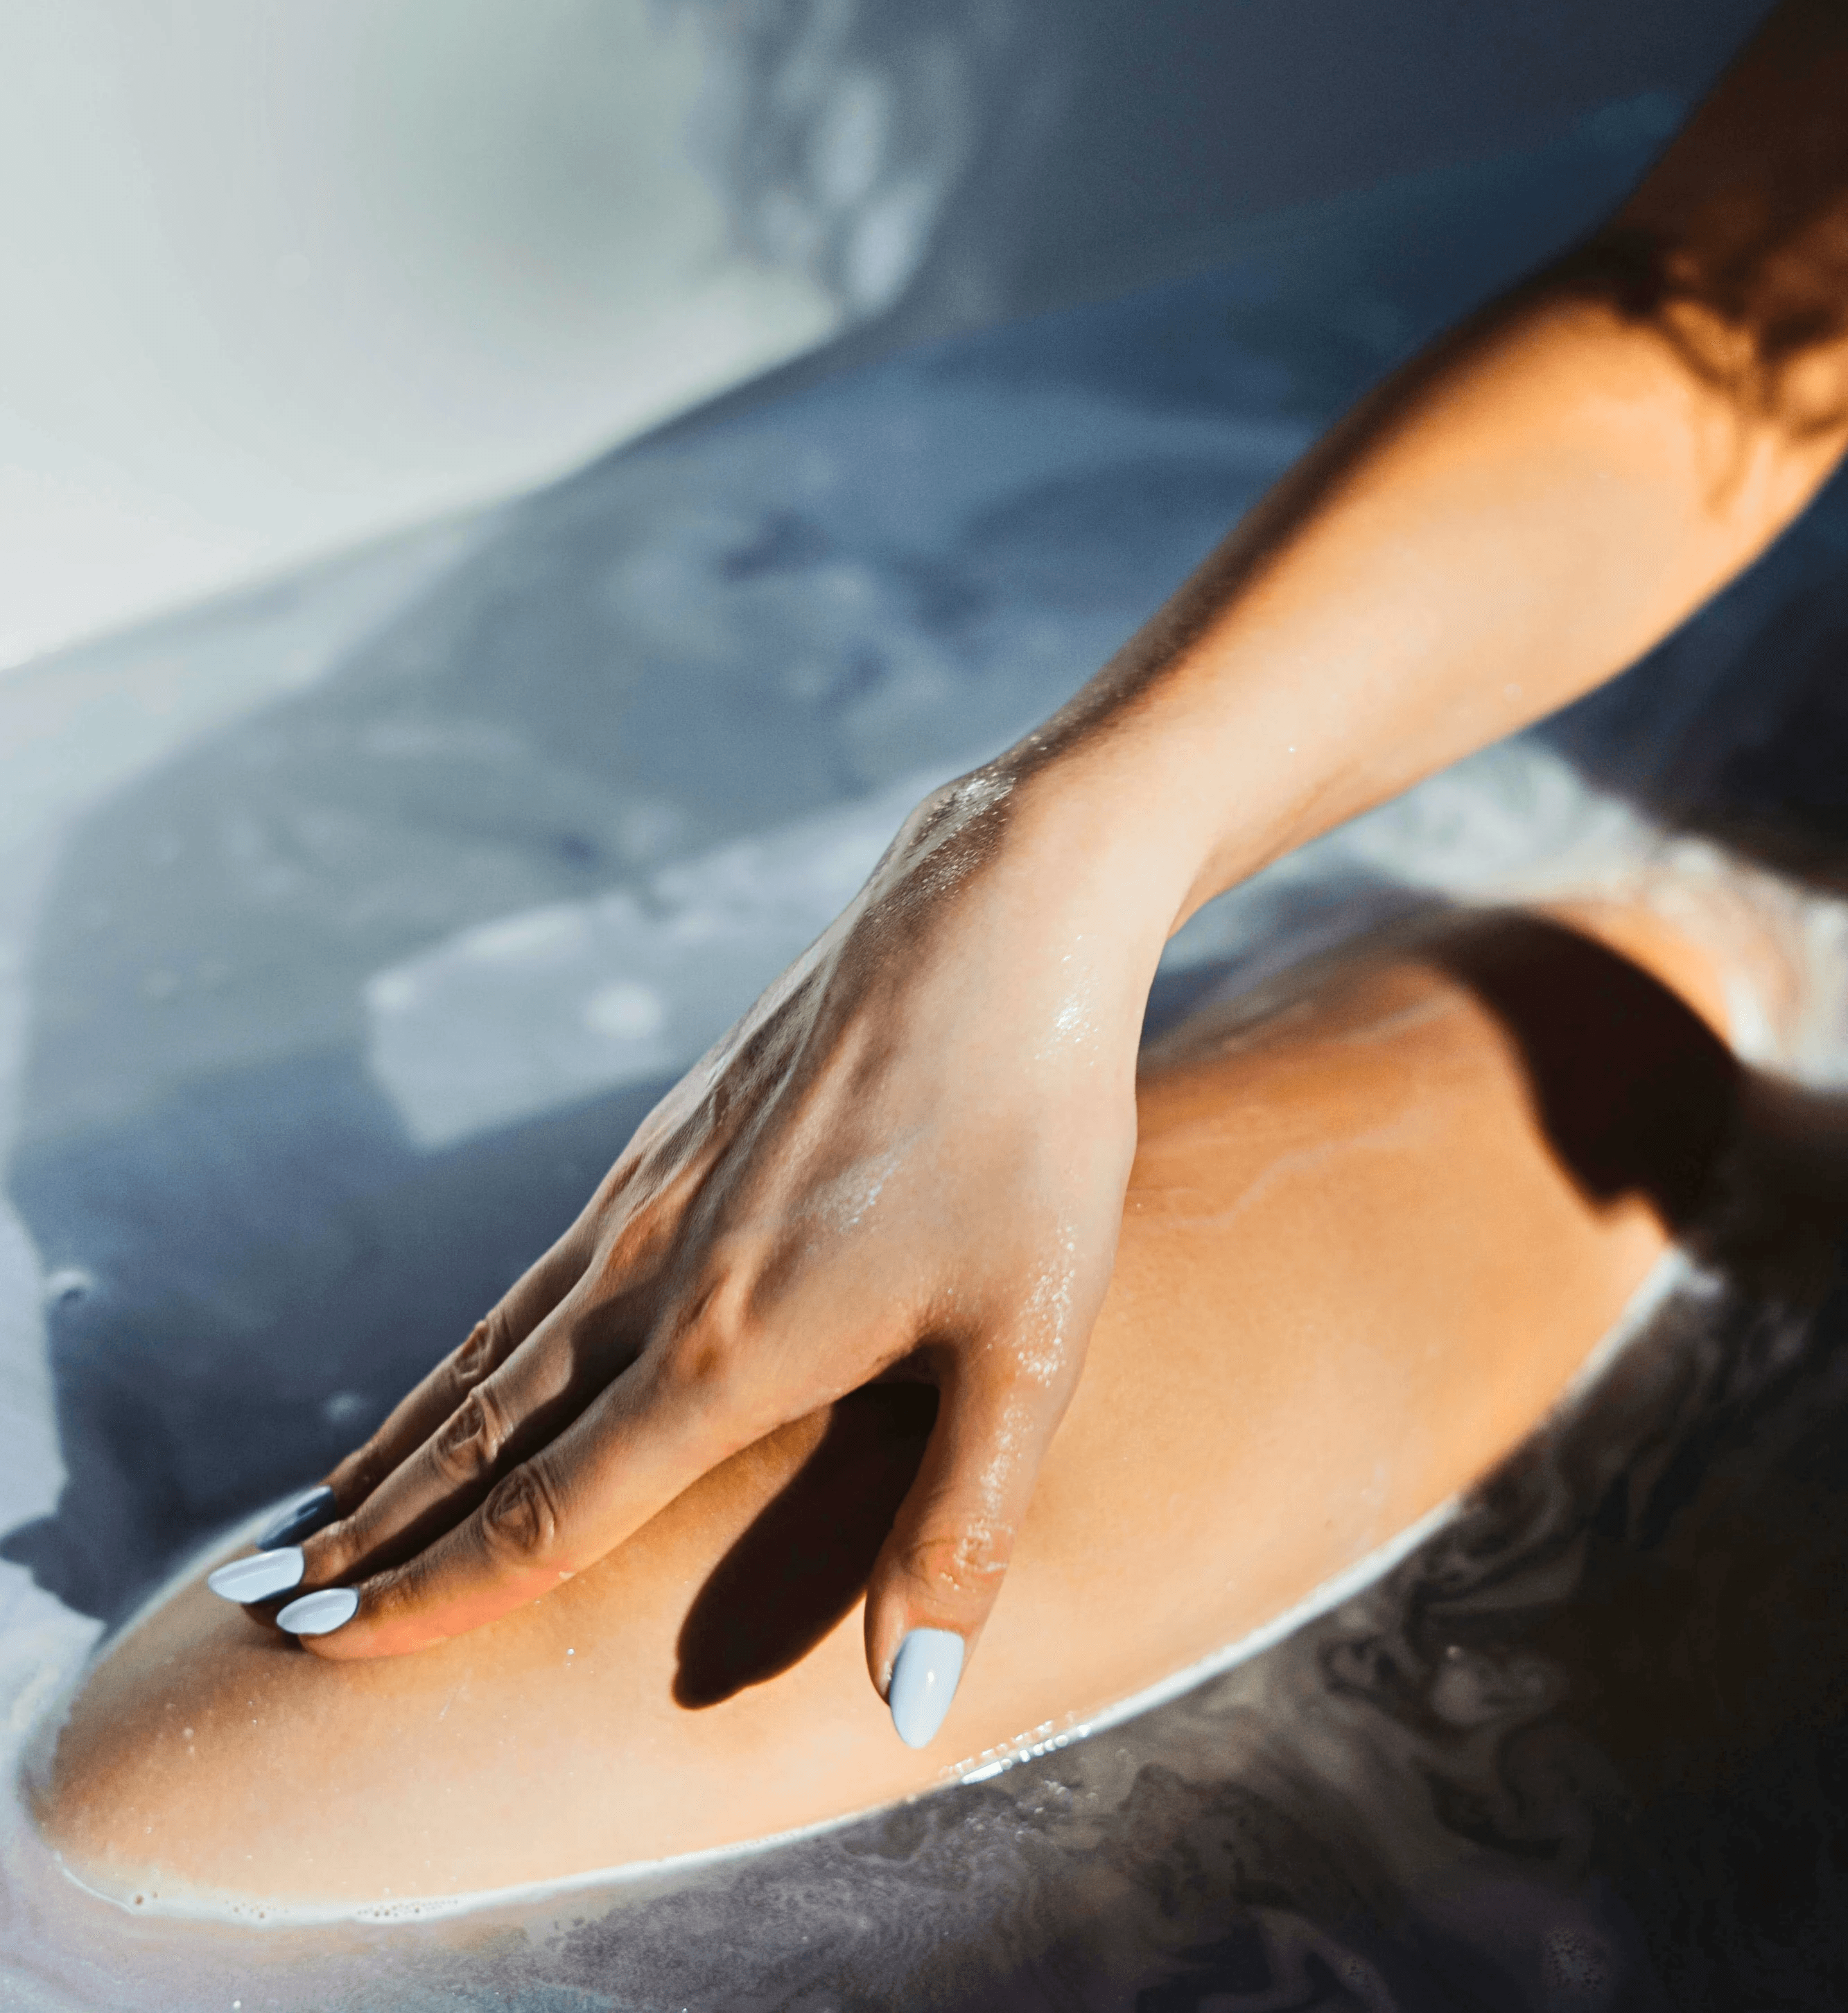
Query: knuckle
703	1358
483	1350
613	1270
962	1564
698	1366
469	1441
519	1521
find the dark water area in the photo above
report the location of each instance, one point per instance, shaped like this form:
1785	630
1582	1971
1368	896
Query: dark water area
299	1099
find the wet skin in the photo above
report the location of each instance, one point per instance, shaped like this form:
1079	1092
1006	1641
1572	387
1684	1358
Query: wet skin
1369	1238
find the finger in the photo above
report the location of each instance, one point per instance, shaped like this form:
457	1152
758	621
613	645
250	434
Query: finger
490	1343
524	1402
645	1438
940	1569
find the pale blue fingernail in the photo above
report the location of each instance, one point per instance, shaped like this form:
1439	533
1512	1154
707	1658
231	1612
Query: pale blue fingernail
320	1613
301	1519
923	1681
260	1578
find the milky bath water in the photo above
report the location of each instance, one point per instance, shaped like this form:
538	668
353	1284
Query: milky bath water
351	927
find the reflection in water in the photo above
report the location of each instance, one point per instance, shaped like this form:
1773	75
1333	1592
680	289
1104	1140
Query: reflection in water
338	1012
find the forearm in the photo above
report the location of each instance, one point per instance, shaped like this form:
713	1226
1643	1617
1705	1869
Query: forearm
1536	508
1510	520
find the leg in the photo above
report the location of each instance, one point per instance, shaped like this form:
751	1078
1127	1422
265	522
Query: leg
1371	1235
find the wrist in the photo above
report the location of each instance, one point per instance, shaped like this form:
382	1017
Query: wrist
1147	819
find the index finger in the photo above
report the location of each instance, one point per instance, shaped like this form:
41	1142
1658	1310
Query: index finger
645	1438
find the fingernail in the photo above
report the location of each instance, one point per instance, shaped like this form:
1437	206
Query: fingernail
301	1519
320	1613
258	1578
923	1681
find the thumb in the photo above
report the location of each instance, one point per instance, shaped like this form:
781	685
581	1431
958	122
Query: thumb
939	1570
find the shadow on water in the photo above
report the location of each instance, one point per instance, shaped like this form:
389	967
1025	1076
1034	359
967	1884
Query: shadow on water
1583	1751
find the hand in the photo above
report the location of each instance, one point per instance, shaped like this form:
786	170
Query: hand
912	1151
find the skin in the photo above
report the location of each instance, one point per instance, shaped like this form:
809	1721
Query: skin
1368	1239
913	1151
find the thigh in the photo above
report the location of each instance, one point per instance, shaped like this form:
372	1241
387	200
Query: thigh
1361	1255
